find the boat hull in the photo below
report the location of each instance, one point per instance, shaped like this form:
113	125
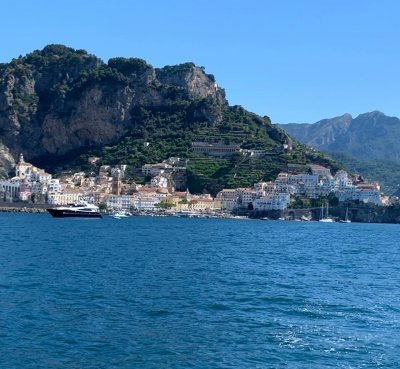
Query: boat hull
64	213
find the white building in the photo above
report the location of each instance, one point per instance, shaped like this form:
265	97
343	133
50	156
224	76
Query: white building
156	169
365	195
303	178
27	171
278	201
343	180
11	187
145	203
119	202
159	181
64	198
245	196
54	186
284	188
327	186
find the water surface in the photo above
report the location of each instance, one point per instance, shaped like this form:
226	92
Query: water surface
148	292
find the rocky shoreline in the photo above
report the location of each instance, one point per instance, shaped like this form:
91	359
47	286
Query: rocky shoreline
23	208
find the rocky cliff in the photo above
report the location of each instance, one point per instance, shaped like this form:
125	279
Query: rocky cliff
57	100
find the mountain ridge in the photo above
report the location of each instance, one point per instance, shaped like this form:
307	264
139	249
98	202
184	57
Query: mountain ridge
347	134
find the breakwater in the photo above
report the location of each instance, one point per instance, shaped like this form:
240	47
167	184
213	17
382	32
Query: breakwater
23	207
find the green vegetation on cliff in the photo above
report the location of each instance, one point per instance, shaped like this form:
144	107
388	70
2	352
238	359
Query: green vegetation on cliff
169	131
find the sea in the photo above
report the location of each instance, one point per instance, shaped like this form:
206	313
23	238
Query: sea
165	292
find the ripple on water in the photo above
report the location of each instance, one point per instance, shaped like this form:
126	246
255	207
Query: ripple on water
201	293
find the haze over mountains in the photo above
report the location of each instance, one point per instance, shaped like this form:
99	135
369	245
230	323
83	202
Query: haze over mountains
368	143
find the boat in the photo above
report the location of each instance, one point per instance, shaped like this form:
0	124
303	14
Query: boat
325	218
185	214
239	217
346	218
120	214
80	210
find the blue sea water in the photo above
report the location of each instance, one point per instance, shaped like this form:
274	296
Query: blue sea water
147	292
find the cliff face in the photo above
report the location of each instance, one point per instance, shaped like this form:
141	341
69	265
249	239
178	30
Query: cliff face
7	162
59	99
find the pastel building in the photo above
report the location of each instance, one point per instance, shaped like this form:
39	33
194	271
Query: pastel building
228	198
70	197
245	196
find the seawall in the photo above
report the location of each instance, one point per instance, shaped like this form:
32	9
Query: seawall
20	207
361	213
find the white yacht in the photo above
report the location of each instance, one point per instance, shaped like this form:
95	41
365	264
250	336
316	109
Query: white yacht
80	210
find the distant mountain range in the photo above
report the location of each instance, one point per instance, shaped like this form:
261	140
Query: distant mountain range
368	143
370	136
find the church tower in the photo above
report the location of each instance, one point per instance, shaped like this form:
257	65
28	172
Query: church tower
117	183
22	167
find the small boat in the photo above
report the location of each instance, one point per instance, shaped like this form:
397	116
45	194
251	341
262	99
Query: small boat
80	210
239	217
346	218
325	218
185	214
119	215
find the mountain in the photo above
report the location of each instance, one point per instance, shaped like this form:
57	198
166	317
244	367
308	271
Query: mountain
60	105
367	143
59	99
370	136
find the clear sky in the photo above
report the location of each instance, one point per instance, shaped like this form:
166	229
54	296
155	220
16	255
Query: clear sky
293	60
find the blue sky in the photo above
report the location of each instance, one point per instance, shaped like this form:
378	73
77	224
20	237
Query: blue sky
293	60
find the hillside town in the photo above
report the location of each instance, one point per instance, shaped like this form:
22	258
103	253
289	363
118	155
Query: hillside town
110	189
